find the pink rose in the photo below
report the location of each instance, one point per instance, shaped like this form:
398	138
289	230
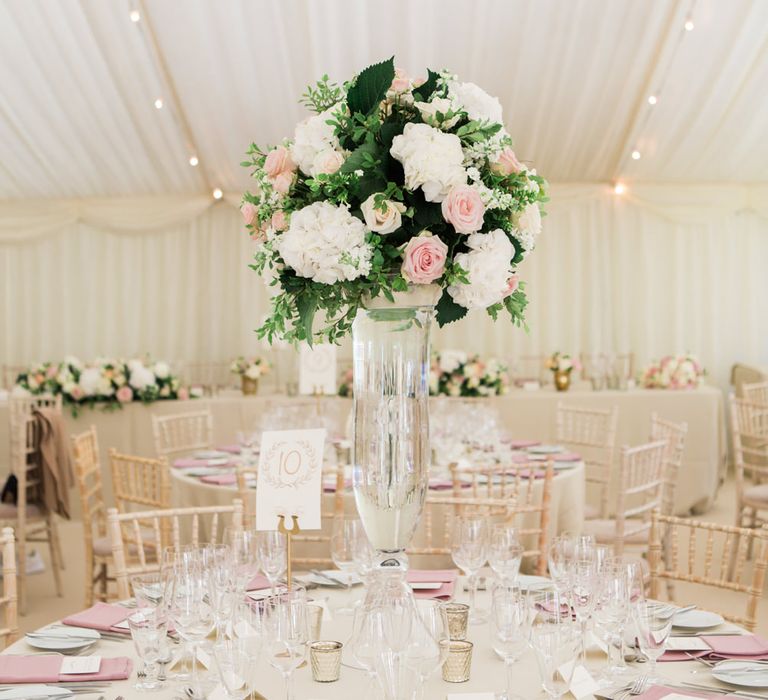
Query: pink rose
125	394
279	221
183	394
512	284
282	183
259	235
464	209
424	259
507	163
77	392
401	82
249	212
52	372
278	161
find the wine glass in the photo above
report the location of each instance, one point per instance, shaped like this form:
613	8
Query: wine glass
430	640
652	633
469	550
272	554
244	554
150	589
149	629
366	630
582	583
504	553
611	612
347	533
249	623
216	560
287	635
509	631
555	640
236	666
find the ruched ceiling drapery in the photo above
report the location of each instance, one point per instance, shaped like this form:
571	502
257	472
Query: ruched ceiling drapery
658	270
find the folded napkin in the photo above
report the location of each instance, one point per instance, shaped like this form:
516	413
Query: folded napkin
447	577
518	457
257	583
566	457
190	462
744	646
35	668
220	479
232	449
659	691
101	616
442	484
521	444
683	655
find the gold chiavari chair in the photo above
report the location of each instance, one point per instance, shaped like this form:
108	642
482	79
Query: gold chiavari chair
592	432
139	482
19	408
182	433
755	393
29	517
639	493
135	546
9	374
749	425
720	565
8	602
98	552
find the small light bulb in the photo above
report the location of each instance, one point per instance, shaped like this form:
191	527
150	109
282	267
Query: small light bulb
158	103
193	161
688	26
135	15
619	188
635	155
652	100
217	193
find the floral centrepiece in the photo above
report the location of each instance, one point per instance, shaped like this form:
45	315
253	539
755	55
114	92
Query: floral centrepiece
394	182
109	383
250	367
454	373
560	362
346	384
674	372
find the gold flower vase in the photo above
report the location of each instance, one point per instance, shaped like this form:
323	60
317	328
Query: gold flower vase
250	386
562	380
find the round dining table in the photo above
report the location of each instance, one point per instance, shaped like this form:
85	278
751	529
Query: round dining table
487	673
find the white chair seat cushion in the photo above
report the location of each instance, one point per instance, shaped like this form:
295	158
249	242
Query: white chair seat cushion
604	531
102	546
10	511
757	494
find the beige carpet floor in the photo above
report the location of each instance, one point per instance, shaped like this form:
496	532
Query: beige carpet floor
44	606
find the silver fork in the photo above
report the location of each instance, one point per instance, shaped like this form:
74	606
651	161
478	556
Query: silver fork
637	688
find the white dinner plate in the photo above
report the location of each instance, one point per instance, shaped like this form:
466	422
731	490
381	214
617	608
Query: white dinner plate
557	466
697	620
747	674
205	471
425	585
534	583
32	691
211	454
63	638
545	449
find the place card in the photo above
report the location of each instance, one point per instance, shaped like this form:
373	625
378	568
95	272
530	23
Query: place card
582	683
317	369
687	644
80	664
289	480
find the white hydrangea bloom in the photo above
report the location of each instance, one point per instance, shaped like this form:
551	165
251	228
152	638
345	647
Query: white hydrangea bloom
161	370
476	102
488	267
450	360
90	379
528	226
431	160
141	377
311	137
326	243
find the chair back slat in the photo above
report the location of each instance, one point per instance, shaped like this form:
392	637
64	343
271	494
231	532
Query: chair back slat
182	433
756	392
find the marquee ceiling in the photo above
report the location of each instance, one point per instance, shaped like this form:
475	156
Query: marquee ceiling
78	82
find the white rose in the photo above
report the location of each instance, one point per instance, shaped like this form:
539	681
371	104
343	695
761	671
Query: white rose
161	370
326	162
429	110
528	223
431	160
477	103
33	383
90	379
451	360
104	387
253	372
141	378
311	137
326	243
488	267
382	221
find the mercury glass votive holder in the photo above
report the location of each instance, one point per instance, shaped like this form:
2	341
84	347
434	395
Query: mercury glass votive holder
458	614
325	659
457	665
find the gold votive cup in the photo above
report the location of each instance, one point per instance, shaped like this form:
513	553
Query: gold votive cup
457	665
458	615
315	613
325	659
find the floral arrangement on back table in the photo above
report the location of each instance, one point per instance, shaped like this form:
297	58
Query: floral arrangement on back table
674	372
454	373
109	383
393	182
562	362
250	367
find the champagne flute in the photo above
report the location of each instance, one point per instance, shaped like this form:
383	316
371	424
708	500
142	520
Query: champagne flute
344	542
272	549
430	641
287	635
509	631
235	664
652	634
469	549
366	630
216	560
244	554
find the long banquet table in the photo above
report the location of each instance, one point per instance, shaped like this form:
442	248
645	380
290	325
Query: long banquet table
525	414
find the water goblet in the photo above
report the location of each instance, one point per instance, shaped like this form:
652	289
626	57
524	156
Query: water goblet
287	635
149	628
555	641
652	633
235	664
469	550
509	631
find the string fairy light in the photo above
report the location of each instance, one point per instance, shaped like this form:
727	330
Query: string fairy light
217	193
158	103
135	16
619	188
193	161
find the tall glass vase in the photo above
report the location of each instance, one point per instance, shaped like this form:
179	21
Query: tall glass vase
390	452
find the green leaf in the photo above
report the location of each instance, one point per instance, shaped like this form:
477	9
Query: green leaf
424	91
448	310
371	87
388	132
306	305
357	159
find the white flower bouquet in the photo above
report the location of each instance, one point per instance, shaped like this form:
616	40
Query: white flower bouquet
561	362
454	373
394	182
673	372
250	367
109	383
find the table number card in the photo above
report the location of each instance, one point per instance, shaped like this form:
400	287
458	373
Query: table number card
290	478
317	369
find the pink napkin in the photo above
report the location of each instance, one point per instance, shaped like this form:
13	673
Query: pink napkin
232	449
190	462
220	479
101	616
566	457
683	655
257	583
445	576
746	646
660	691
522	444
45	669
519	457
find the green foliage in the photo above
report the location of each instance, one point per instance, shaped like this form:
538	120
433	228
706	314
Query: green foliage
323	96
424	91
370	87
448	310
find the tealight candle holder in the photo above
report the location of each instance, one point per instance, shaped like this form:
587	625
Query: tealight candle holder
457	665
325	659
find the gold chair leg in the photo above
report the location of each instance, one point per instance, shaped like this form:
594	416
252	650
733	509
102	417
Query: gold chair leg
21	549
53	545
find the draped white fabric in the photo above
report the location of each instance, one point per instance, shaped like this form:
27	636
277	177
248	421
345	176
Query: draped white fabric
660	270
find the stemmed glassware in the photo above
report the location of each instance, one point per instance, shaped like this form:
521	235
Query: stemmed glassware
582	582
218	569
272	554
611	612
287	635
149	629
505	553
469	551
652	634
236	665
509	630
345	541
244	555
363	645
430	640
